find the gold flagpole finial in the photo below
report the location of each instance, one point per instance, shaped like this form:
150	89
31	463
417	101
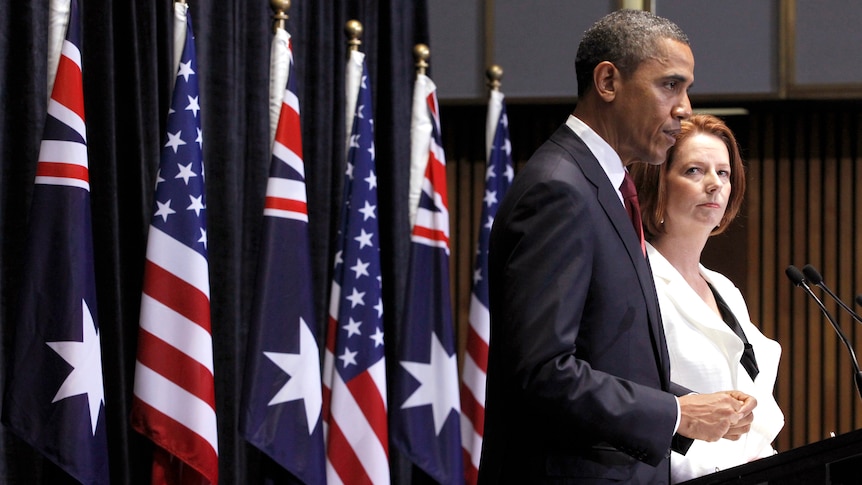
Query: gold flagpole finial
279	9
494	74
353	29
421	53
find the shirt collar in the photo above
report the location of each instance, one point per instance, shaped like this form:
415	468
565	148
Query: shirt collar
608	159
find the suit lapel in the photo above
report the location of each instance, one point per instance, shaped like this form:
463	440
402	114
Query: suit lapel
616	213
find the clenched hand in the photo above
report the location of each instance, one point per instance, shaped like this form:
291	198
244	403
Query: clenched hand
710	417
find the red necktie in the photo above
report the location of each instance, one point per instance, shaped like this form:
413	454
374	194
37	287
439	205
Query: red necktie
630	198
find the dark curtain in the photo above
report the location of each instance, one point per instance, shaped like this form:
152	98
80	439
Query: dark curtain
127	81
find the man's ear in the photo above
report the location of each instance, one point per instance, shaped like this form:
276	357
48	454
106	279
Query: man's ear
605	77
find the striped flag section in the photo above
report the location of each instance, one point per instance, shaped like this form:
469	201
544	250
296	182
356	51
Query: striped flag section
174	398
282	397
55	398
354	371
498	176
426	426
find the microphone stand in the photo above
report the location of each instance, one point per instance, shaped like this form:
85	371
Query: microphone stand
798	279
813	276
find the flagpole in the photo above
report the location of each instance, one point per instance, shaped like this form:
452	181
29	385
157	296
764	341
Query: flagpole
280	62
279	17
353	30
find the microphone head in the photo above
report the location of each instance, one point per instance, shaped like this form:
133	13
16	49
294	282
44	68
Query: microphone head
812	275
795	275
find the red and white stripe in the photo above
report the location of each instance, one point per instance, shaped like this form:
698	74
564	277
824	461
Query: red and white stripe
354	414
65	162
174	398
287	197
473	377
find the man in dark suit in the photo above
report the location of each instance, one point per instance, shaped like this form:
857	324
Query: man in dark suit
578	377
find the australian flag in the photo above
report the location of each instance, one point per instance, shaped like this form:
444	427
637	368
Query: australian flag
281	410
426	417
55	394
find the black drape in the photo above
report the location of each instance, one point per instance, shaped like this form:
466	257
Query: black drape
127	79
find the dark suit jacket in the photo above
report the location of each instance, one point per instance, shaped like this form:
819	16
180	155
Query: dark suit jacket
578	386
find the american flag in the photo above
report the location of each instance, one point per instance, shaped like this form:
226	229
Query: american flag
498	176
55	394
354	364
174	399
281	407
426	424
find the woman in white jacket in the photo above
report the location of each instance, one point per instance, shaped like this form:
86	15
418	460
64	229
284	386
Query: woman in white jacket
712	342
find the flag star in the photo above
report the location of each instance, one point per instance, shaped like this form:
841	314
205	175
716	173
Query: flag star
379	307
377	337
362	81
200	140
349	171
159	178
507	146
490	197
85	358
303	371
196	205
504	120
348	357
185	172
174	140
371	150
359	109
436	386
185	70
352	328
356	298
360	268
164	210
490	222
372	180
509	173
477	276
338	259
203	238
368	211
364	239
193	105
354	141
490	172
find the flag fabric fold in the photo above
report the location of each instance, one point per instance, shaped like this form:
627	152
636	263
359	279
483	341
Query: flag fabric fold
174	397
55	393
281	400
498	175
354	363
425	397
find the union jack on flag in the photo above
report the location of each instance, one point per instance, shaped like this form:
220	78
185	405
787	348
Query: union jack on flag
174	397
55	397
426	425
281	402
498	176
354	364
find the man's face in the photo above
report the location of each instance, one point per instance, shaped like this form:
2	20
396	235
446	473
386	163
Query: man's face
651	102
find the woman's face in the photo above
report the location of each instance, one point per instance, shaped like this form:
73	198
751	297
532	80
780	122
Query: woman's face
697	184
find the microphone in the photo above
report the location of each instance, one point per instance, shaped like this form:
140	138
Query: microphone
814	277
798	279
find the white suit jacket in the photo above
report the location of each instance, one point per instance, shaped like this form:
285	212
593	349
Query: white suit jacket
704	356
